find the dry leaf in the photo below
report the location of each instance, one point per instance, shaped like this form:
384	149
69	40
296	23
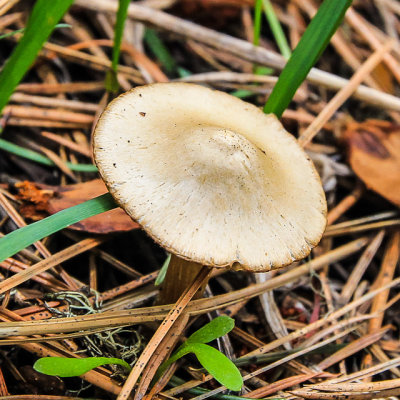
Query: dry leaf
374	155
40	200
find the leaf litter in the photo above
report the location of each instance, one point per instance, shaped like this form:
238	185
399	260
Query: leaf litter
345	294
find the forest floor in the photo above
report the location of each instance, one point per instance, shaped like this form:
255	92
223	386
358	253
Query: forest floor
326	327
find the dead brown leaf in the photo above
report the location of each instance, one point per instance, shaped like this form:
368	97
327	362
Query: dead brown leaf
374	155
39	200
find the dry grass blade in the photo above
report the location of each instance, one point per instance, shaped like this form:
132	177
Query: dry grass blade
345	204
386	274
353	347
48	263
359	269
365	373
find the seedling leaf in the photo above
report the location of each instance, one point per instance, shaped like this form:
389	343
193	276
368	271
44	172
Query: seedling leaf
67	367
218	365
218	327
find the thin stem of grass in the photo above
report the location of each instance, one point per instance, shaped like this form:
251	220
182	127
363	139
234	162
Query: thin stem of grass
158	48
39	158
276	29
111	83
257	22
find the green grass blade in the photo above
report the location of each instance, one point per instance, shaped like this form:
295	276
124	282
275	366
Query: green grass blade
22	30
311	45
45	15
23	237
276	29
159	50
111	77
163	271
257	22
39	158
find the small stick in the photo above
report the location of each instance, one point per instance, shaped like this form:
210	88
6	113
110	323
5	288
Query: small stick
359	24
53	102
361	266
140	58
345	204
386	274
361	228
48	114
57	88
67	143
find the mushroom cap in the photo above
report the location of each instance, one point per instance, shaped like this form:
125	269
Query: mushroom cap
210	177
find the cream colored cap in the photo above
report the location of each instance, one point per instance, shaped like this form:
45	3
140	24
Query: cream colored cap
210	177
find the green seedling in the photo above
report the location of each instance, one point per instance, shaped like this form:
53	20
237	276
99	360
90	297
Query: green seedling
67	367
217	364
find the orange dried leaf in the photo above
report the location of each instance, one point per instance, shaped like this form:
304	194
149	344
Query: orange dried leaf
39	199
374	155
35	201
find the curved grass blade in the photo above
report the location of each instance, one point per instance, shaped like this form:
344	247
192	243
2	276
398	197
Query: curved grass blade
39	158
67	367
23	237
307	52
44	17
276	29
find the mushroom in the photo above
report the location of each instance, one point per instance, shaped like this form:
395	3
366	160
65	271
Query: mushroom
211	178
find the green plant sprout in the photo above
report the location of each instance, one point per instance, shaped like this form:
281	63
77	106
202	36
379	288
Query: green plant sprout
67	367
216	363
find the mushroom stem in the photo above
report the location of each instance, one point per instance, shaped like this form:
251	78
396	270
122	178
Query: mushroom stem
180	275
